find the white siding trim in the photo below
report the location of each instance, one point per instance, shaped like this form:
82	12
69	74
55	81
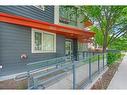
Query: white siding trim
56	14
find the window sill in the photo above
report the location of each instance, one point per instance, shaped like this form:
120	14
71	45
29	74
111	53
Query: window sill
43	52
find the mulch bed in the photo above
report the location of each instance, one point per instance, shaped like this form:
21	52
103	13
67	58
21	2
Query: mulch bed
104	81
12	84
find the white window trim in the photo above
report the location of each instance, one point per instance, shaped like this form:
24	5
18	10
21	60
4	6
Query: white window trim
32	41
43	9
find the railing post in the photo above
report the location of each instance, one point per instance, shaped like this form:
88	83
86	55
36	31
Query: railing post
90	75
74	76
86	54
98	63
103	60
28	74
1	69
30	80
56	64
83	55
106	58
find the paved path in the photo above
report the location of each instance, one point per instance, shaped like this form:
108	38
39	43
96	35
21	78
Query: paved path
81	75
119	80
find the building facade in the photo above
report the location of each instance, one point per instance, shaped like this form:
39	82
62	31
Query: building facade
35	33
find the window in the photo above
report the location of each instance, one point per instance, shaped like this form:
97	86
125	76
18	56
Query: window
43	41
68	15
48	42
42	7
82	47
38	41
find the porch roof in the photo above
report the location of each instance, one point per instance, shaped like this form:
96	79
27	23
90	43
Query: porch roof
68	32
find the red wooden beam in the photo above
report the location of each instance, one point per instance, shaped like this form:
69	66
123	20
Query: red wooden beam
58	29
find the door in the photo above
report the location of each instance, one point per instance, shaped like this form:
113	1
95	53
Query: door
68	48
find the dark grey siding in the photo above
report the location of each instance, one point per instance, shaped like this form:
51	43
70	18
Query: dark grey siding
16	40
31	12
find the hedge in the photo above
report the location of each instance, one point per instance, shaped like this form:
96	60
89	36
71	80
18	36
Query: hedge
113	56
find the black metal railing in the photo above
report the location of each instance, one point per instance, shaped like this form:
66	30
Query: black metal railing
94	62
75	74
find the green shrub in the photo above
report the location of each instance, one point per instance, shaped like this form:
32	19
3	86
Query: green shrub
113	56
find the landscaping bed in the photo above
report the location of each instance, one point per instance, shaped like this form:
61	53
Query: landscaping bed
103	82
12	84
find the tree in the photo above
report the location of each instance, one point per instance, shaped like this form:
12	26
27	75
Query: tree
110	21
98	39
120	43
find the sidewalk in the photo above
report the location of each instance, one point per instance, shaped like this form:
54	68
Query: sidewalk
82	73
119	80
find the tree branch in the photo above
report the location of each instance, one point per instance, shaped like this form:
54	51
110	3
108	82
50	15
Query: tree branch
118	37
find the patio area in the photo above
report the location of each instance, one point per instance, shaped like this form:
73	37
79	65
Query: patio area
66	75
72	75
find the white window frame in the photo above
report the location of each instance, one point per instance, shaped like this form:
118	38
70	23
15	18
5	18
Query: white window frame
33	40
38	6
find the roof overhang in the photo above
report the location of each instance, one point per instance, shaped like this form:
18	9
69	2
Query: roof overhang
69	32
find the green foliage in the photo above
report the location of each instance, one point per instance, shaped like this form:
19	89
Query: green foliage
112	57
111	21
98	37
120	44
110	25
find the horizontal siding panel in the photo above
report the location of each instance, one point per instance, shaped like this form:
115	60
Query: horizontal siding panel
19	36
23	11
31	12
16	40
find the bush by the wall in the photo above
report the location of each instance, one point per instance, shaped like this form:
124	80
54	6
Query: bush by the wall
113	56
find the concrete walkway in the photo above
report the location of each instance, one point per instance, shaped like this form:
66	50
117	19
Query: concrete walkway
119	80
82	73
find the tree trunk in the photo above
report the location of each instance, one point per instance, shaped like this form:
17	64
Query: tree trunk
104	46
105	41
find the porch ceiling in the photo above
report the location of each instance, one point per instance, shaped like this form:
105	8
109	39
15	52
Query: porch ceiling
69	32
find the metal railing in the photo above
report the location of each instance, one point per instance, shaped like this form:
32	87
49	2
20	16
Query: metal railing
65	71
95	62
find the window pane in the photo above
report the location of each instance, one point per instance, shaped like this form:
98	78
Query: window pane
68	15
38	41
48	42
82	47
